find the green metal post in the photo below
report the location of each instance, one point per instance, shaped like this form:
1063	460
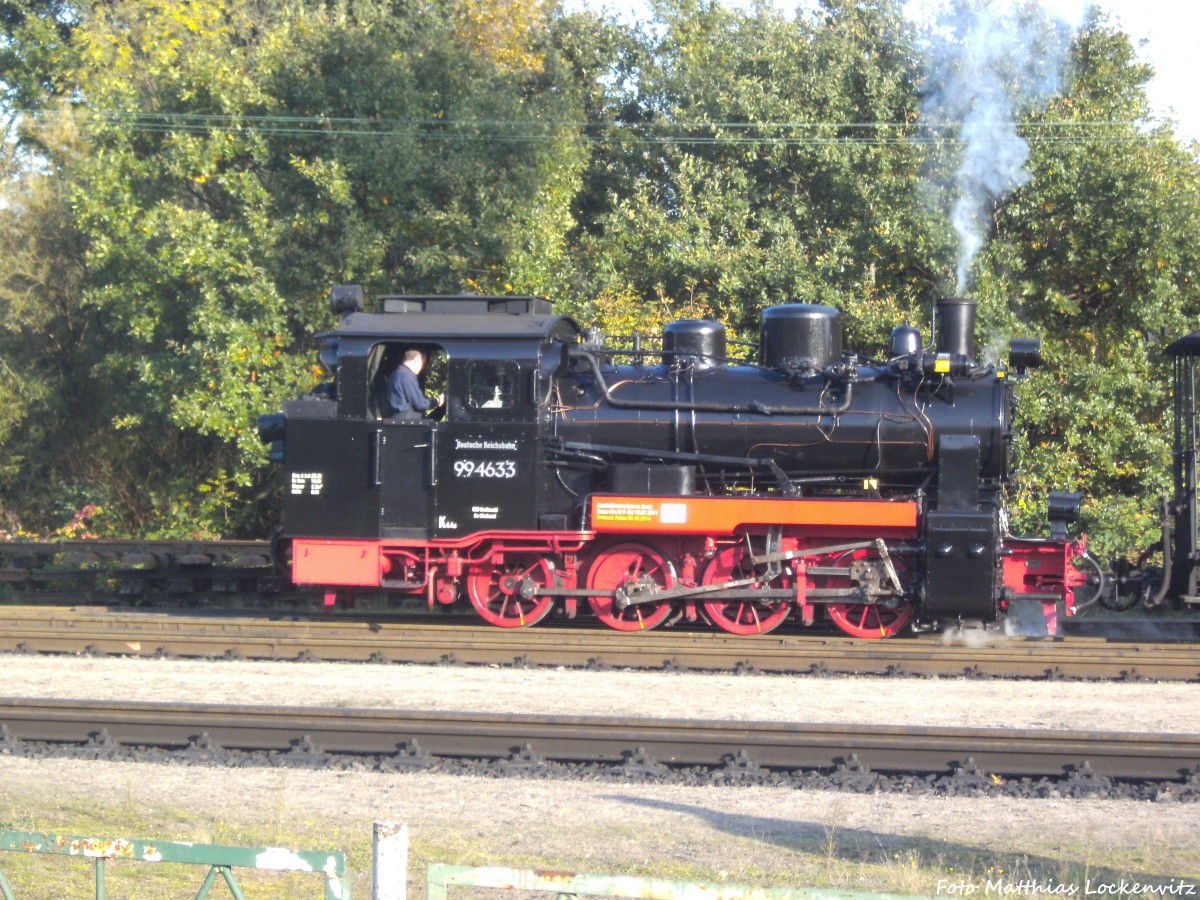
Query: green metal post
100	878
227	874
208	883
231	882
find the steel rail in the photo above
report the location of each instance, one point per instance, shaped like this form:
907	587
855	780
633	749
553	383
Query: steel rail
603	739
37	629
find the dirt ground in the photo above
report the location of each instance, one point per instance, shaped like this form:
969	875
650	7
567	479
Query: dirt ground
757	835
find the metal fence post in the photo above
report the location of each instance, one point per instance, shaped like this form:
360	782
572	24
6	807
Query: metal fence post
390	845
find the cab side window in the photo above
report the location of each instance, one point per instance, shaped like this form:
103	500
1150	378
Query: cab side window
491	385
382	362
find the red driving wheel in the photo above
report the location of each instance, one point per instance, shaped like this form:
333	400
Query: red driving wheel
870	621
506	594
744	615
632	571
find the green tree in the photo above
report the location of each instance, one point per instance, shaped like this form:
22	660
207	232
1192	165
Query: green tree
449	158
191	177
234	160
35	38
1099	255
778	163
43	329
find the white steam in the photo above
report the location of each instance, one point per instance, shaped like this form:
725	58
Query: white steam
989	60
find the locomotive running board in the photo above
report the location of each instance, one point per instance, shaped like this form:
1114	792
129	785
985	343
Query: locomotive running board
867	519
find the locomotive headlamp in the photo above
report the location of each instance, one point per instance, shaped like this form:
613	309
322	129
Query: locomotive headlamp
271	429
1062	508
1024	354
346	298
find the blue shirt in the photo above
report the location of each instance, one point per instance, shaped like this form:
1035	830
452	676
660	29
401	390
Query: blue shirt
404	392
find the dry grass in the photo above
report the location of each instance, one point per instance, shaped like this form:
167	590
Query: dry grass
836	855
752	837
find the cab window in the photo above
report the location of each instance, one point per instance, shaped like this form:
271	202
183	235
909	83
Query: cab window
384	359
491	385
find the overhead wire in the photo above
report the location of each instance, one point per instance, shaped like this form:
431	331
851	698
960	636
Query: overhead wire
661	132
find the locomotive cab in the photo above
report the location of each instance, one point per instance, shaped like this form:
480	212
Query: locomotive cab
352	472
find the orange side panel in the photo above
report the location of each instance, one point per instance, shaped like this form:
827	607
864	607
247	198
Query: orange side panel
336	562
727	515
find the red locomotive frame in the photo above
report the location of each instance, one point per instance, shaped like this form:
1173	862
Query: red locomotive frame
646	557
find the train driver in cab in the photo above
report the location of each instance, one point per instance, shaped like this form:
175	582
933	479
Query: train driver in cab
405	399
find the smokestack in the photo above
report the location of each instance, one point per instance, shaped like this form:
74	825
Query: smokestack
956	326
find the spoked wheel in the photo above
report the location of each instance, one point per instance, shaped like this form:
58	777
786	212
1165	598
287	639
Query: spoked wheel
745	615
508	594
871	621
632	571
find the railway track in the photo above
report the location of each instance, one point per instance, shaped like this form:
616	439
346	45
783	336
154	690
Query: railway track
408	738
100	630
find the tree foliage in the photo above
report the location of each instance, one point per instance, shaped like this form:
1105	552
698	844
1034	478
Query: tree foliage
230	167
775	161
1099	255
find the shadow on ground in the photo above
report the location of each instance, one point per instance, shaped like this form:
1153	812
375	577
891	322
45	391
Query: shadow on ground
960	861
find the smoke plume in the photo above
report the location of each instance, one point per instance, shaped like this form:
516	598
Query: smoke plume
989	61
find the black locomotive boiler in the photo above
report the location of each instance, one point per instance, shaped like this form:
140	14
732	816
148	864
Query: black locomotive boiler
653	486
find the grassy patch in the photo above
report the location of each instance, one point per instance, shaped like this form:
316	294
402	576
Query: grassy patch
776	852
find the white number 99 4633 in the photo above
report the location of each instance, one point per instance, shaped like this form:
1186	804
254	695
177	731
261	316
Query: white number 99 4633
469	468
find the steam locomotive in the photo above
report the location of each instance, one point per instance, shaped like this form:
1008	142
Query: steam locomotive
654	486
